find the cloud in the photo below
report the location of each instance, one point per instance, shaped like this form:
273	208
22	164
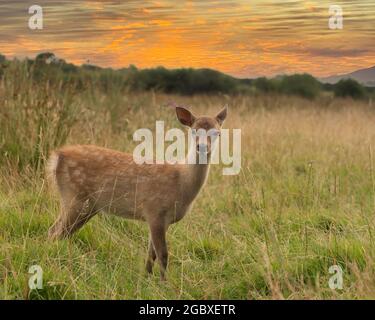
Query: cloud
338	53
238	37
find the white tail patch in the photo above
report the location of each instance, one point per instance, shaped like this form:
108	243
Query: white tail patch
51	166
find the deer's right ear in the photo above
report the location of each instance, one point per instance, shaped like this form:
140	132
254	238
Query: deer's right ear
185	116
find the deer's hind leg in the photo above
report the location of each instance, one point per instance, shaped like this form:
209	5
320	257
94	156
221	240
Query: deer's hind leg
73	215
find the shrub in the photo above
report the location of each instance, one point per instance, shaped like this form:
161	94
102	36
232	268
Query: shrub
303	85
349	88
183	81
265	85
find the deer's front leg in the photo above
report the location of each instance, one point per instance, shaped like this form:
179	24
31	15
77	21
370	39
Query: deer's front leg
151	256
158	236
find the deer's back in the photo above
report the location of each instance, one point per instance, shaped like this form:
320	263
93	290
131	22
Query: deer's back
115	183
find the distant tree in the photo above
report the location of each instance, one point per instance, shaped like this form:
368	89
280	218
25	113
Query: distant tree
265	85
303	85
187	81
68	67
2	65
349	88
183	81
91	67
45	57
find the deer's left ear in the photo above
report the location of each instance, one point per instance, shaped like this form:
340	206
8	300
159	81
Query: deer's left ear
221	116
185	116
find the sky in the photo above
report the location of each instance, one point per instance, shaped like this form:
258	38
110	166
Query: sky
244	38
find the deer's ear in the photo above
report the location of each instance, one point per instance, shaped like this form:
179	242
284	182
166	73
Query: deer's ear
221	116
185	116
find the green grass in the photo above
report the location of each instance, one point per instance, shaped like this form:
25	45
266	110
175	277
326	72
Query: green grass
257	235
303	201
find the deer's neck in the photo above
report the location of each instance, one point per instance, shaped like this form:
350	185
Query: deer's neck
194	178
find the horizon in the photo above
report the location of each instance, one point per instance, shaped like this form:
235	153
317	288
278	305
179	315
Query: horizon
160	66
244	39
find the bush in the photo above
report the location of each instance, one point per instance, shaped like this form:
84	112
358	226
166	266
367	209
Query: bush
265	85
349	88
183	81
303	85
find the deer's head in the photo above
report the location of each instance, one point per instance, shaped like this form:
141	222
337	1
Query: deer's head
204	129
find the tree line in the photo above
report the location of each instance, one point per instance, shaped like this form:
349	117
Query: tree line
184	81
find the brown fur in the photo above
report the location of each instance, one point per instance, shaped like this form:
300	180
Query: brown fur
92	179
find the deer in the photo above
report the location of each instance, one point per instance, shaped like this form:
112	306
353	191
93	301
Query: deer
92	179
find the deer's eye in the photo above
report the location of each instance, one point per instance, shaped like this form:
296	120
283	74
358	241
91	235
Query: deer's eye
216	133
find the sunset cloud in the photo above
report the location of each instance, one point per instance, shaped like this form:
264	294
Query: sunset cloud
242	38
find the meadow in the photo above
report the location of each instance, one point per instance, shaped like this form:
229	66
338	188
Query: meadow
303	201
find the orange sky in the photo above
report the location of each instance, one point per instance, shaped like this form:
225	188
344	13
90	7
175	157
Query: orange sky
242	38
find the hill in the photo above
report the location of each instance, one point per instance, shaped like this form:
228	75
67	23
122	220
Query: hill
363	76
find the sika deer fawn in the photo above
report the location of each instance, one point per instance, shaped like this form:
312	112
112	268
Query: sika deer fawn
92	179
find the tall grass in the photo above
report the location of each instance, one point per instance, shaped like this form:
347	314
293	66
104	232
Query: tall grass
35	117
303	201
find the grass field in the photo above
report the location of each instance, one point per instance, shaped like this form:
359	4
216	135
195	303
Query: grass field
303	201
